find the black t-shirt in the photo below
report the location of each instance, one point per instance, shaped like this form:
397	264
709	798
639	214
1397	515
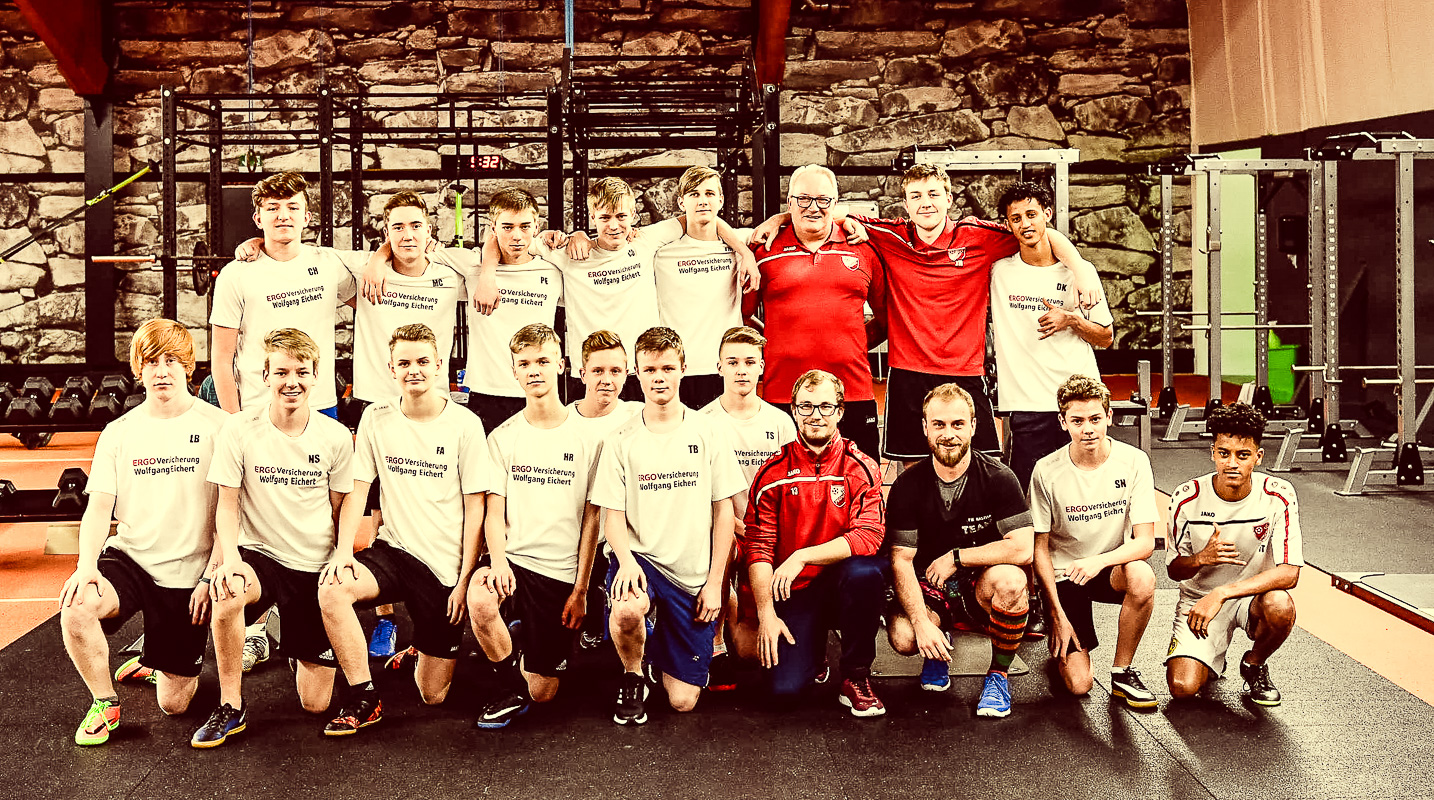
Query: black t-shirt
990	506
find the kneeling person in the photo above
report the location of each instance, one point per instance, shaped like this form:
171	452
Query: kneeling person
541	535
155	564
1093	508
816	516
666	478
430	459
961	536
282	472
1238	552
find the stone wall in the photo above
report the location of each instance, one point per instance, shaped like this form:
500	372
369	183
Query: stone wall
1110	77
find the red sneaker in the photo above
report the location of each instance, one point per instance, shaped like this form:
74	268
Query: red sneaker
858	696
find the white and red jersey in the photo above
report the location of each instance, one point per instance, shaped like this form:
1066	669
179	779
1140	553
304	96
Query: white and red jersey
1264	527
939	291
812	309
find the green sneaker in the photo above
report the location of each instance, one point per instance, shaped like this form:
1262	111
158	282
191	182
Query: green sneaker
103	717
132	671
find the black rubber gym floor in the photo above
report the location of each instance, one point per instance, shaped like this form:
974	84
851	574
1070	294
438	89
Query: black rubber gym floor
1342	732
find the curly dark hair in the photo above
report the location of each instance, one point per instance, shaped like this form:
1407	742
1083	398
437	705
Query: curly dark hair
1025	190
1239	419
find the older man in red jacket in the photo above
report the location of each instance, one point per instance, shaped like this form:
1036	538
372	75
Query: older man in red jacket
814	524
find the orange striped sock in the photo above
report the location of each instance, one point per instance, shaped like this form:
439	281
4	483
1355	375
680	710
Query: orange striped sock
1006	630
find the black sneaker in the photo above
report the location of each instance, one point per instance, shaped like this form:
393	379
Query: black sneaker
722	675
1036	625
224	722
361	711
1126	684
631	691
503	710
1258	686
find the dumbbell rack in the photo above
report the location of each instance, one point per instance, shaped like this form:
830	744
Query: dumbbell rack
39	398
65	503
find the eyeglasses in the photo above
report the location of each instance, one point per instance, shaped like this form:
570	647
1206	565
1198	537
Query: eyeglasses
805	201
825	409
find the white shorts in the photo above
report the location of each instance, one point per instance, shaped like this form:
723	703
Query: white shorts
1210	651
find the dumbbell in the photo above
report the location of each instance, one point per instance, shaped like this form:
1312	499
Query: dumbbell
71	489
7	393
32	404
7	490
69	410
134	400
109	400
79	386
341	385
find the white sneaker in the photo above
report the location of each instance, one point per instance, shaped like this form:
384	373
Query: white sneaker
256	650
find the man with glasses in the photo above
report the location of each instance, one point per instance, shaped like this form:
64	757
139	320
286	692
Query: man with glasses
814	525
813	285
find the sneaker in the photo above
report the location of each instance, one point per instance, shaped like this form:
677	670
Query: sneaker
362	710
589	640
503	710
1258	686
935	675
858	696
401	659
256	650
1036	625
630	694
384	639
132	671
103	717
222	723
995	697
823	676
1125	683
722	675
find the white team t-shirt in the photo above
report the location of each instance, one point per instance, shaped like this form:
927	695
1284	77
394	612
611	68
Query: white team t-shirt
1264	527
666	484
164	505
1089	512
528	293
431	299
1030	369
698	296
264	295
424	469
611	290
544	474
754	440
284	484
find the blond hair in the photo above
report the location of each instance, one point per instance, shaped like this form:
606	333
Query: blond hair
281	186
743	334
610	193
511	199
696	176
921	172
813	378
659	340
161	337
598	341
291	342
415	332
534	335
404	199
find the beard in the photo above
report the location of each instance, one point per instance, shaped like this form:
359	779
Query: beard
947	459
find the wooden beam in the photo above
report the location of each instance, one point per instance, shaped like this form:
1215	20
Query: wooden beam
75	33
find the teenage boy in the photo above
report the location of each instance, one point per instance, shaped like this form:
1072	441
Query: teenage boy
290	285
758	430
810	545
148	474
541	536
1238	553
666	479
430	458
1042	334
282	473
1093	509
961	538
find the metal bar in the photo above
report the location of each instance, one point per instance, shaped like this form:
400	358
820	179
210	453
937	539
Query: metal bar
1212	247
1272	326
1253	165
1063	197
1329	291
1262	297
555	159
1416	147
123	259
100	300
1402	385
954	158
1314	256
1167	279
1404	320
356	145
326	170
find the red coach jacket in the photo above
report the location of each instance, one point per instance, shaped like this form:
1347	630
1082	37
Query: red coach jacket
798	500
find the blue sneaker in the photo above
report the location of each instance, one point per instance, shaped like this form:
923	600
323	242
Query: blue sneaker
384	639
935	675
995	696
224	722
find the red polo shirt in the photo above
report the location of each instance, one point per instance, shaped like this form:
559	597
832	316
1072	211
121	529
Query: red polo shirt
812	310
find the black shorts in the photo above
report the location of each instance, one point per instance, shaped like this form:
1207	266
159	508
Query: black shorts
494	410
171	642
371	504
904	392
1077	602
1034	435
402	578
697	391
296	593
858	423
538	601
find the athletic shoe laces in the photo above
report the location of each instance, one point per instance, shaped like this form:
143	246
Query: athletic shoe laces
995	691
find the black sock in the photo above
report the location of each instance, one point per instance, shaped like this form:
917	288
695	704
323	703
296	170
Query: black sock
366	686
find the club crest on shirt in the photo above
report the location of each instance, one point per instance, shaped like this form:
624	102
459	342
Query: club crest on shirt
850	261
956	254
1261	531
838	495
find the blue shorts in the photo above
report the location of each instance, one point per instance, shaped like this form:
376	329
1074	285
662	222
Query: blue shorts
677	644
